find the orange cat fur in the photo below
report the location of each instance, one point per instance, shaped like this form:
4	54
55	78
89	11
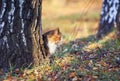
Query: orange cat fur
52	40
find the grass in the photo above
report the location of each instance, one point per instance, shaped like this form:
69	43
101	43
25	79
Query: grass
81	17
95	64
76	26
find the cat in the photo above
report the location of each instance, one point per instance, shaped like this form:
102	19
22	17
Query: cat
52	40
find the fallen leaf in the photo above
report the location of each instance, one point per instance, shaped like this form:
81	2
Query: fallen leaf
73	74
103	63
31	76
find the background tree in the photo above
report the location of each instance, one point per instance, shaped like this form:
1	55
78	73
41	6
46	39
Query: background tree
109	16
20	33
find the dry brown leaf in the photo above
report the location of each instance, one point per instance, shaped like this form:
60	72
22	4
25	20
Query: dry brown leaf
39	79
31	76
103	63
73	74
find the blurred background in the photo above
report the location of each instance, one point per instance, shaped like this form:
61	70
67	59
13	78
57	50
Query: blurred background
75	18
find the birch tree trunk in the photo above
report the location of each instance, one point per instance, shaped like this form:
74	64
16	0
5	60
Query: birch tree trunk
118	22
20	33
109	15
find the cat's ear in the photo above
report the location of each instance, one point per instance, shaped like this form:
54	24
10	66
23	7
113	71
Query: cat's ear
57	31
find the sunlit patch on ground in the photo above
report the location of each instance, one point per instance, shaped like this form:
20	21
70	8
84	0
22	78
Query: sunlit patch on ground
99	44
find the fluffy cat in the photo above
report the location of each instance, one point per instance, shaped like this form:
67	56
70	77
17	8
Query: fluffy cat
52	40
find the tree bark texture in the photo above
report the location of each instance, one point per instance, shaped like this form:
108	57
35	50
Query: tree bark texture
20	33
118	18
109	14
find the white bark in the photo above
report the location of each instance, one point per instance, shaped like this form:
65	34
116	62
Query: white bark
108	18
109	10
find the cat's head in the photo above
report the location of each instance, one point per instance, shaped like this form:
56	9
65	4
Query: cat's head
55	36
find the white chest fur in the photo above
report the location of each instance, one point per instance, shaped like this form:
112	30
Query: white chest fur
52	47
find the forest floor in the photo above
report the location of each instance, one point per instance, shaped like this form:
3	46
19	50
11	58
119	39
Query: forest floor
82	57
